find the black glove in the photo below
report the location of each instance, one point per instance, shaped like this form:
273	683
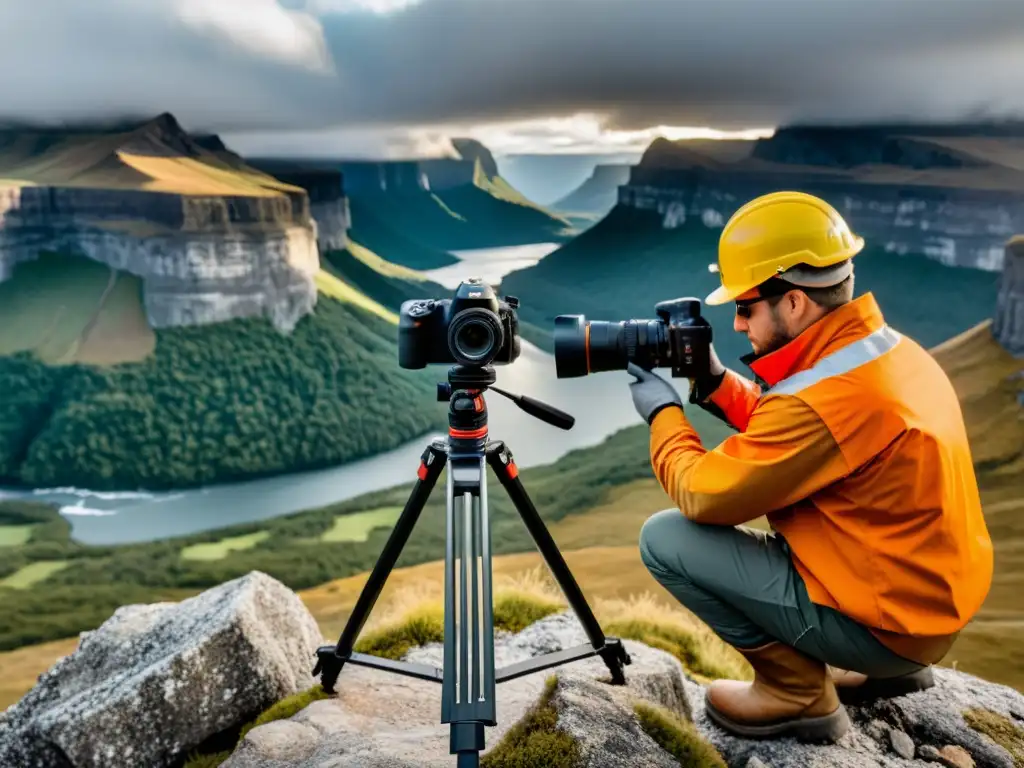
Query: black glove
703	385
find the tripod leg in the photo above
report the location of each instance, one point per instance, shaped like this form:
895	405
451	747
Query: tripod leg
331	658
613	653
468	687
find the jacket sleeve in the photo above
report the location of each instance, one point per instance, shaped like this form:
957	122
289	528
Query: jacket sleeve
785	454
733	400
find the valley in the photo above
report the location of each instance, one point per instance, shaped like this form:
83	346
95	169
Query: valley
170	431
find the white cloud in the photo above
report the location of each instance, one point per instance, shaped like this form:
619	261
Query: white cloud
262	27
357	6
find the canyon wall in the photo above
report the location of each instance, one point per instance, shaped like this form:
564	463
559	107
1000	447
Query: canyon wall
1008	324
328	203
956	227
406	175
201	259
954	193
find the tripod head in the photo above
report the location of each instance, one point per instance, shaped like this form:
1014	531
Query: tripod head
467	409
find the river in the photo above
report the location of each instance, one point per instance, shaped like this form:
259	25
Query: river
600	403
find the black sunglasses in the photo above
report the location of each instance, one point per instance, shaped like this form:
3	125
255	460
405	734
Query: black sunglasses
743	305
772	289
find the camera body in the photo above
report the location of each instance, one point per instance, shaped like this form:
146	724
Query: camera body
473	328
680	339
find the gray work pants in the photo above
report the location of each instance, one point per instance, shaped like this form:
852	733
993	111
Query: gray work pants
743	585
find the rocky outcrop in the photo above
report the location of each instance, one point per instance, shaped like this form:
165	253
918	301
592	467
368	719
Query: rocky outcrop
328	204
381	720
473	151
1008	324
954	195
211	239
156	681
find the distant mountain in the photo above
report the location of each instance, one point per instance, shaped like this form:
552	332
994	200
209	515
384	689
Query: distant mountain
598	194
547	178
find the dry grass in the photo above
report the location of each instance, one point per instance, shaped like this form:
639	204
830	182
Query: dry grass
619	519
69	309
20	669
624	597
120	331
988	382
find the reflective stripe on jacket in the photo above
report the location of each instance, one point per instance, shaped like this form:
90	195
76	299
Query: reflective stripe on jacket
858	455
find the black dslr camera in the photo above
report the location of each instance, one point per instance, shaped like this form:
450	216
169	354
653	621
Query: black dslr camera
474	328
679	338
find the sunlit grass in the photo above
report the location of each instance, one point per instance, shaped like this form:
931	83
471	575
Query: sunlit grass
216	550
358	525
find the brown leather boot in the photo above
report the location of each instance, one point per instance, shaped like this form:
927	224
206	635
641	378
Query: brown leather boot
856	688
792	695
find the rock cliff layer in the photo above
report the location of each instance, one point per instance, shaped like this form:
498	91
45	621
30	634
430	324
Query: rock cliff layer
1008	325
955	197
328	203
211	238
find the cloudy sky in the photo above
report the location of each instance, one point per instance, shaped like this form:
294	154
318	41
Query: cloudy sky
395	77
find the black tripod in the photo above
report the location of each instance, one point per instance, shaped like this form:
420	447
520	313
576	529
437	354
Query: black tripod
468	678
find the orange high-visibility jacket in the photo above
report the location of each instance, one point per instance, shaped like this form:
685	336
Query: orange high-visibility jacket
858	455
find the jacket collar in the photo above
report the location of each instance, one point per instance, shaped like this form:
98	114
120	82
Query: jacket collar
845	325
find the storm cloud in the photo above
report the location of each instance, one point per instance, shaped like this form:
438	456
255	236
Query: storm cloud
324	66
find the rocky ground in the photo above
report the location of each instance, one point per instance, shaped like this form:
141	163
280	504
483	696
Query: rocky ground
155	682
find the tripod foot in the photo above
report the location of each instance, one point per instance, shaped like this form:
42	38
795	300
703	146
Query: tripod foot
615	656
328	666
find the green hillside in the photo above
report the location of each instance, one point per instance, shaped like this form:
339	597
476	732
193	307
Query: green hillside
623	266
376	225
411	226
204	404
385	282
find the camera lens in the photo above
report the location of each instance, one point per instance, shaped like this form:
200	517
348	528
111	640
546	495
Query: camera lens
590	346
475	336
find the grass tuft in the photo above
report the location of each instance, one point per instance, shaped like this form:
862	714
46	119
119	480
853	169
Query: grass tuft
416	616
702	653
678	737
285	708
1000	729
535	740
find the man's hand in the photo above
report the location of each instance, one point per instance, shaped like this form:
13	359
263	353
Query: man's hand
651	393
704	383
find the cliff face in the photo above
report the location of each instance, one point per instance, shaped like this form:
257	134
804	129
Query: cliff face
1008	325
328	203
212	239
955	197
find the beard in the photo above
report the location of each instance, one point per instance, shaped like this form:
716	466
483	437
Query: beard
779	337
777	340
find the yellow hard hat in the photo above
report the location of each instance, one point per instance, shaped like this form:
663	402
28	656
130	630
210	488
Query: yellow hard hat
775	233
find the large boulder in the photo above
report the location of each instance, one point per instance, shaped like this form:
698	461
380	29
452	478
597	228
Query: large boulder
156	681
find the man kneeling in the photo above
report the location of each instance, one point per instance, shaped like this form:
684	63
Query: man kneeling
852	444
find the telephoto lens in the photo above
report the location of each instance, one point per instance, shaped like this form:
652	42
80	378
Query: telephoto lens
591	346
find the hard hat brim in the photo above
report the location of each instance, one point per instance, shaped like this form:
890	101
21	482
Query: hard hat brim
723	295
